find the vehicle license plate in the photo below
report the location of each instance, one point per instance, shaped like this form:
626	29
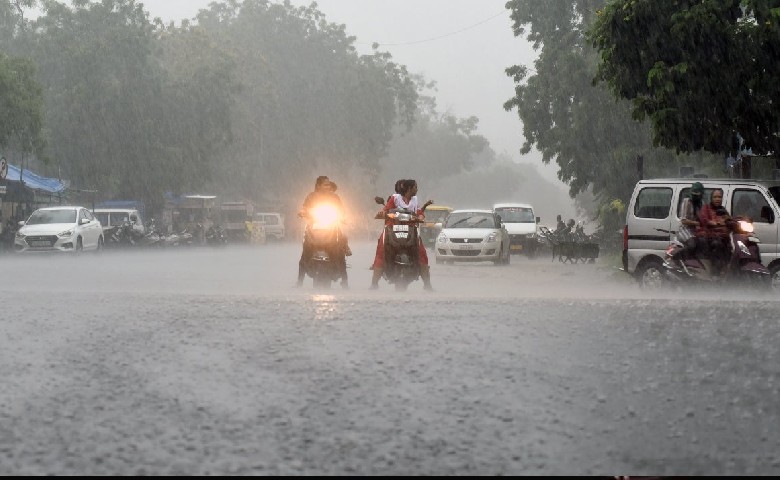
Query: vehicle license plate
402	235
400	228
41	243
467	247
515	247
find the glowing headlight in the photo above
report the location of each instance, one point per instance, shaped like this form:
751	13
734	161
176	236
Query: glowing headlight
492	237
442	238
746	227
403	217
65	234
324	216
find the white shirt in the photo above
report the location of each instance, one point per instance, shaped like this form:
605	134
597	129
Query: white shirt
413	204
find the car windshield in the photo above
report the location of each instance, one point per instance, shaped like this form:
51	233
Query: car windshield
470	220
516	215
40	217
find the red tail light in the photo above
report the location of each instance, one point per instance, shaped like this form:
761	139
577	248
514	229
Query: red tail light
625	237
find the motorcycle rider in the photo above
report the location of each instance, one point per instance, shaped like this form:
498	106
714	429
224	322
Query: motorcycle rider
406	198
324	192
689	225
712	227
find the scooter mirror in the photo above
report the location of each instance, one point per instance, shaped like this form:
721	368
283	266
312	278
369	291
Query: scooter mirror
379	200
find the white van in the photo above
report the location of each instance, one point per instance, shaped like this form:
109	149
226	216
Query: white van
273	223
521	223
653	217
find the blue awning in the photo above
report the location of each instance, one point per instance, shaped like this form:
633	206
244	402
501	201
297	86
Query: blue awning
34	181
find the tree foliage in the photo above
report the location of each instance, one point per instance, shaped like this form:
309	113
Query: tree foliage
21	105
249	100
581	126
701	71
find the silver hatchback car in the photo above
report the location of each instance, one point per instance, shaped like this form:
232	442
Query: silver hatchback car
473	236
59	229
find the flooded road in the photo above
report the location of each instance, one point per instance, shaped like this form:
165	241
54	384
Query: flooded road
209	362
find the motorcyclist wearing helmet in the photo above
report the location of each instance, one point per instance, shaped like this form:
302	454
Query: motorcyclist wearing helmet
689	225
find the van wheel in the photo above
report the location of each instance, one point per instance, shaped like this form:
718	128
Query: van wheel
651	275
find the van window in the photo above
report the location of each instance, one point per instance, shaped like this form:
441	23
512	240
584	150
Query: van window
103	217
653	202
749	203
271	220
516	214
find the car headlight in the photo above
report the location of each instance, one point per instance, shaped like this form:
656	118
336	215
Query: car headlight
492	237
65	234
20	236
442	238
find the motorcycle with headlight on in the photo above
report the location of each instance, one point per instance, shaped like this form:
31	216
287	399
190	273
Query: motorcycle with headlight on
325	261
401	237
744	264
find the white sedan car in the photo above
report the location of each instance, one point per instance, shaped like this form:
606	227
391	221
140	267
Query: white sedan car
473	236
63	229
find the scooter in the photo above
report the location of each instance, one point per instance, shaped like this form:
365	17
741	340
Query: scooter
402	262
326	261
744	264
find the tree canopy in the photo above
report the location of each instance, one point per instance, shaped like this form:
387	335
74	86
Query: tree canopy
701	71
21	106
581	126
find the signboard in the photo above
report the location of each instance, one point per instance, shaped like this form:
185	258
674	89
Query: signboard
3	169
2	190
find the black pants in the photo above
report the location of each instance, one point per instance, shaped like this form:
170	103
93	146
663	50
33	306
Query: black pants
719	252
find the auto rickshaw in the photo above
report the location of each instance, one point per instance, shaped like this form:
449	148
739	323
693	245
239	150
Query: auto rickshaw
434	218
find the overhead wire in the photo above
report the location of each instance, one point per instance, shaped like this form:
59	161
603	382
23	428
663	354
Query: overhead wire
432	39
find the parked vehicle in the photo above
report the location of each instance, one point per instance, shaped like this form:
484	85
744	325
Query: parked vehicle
120	236
273	225
216	235
117	217
434	219
473	236
59	229
325	262
653	217
744	265
401	247
521	223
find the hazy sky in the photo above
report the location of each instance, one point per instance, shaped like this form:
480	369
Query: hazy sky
464	45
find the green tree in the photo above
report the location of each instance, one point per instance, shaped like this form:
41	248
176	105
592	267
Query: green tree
307	101
21	106
591	136
700	71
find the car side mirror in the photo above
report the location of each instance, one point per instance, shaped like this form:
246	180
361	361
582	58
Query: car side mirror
768	214
21	223
83	221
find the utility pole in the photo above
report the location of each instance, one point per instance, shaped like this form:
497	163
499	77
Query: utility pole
640	167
